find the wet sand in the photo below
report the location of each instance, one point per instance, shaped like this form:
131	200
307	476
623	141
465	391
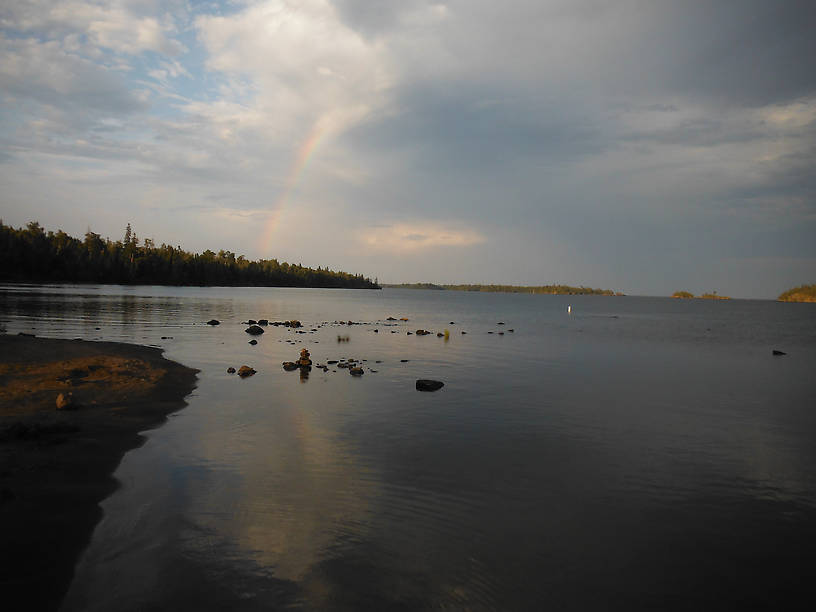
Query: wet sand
56	466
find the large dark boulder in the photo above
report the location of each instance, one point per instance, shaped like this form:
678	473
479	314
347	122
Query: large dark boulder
429	385
254	330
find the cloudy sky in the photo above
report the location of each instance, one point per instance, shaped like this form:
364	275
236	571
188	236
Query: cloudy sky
644	146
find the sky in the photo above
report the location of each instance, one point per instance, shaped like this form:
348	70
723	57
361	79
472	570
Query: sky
643	146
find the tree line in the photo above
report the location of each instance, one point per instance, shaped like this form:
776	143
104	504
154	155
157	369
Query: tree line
540	289
804	293
32	254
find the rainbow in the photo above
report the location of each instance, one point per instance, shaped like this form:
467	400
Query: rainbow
304	154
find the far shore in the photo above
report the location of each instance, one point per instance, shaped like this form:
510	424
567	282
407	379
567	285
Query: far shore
56	466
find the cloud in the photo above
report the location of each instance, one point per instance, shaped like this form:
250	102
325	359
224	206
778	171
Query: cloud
412	237
304	65
113	24
45	73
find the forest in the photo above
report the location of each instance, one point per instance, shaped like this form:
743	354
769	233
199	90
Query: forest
803	293
32	254
541	289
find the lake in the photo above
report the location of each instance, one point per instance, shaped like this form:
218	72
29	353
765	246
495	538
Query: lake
634	453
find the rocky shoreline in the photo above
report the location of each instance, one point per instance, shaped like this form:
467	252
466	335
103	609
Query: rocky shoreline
57	461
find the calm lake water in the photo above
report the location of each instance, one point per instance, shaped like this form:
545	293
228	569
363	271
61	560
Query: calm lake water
638	453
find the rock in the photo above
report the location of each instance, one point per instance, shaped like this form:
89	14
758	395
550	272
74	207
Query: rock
245	371
403	361
356	371
422	332
251	322
253	342
343	364
409	333
501	333
263	321
65	401
295	323
230	370
511	330
254	330
429	385
332	361
500	323
464	332
403	318
439	334
376	331
390	319
775	352
452	323
289	366
213	322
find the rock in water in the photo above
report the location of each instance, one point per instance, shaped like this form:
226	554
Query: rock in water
210	322
356	371
254	330
775	352
429	385
289	366
65	401
230	370
245	371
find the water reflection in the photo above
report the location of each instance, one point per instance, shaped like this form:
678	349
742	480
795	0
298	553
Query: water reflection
619	457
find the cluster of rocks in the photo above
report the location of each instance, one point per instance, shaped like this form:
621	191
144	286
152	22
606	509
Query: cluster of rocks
303	362
265	322
244	371
354	367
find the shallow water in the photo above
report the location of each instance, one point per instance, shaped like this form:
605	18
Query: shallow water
637	453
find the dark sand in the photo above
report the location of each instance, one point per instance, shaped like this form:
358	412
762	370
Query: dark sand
56	466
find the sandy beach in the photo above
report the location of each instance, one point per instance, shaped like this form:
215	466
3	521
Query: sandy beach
56	466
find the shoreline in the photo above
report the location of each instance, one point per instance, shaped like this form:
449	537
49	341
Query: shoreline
57	466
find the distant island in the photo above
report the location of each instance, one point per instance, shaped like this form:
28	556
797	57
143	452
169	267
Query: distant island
805	293
685	295
540	289
32	254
